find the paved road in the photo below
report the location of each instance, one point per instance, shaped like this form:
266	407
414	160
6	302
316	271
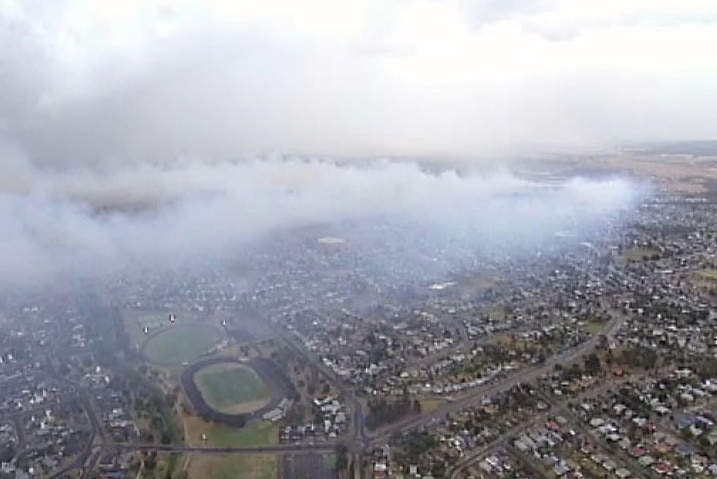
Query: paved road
555	408
81	460
477	454
362	440
616	454
524	375
280	448
97	431
358	424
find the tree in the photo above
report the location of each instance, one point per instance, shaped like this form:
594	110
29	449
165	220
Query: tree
592	364
342	460
150	463
438	469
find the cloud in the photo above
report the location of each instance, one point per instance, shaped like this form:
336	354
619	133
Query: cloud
71	224
129	130
137	81
481	13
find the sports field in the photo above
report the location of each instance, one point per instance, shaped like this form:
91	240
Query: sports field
257	433
260	466
231	466
232	388
180	343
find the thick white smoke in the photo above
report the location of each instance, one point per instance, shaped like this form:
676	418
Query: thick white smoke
90	221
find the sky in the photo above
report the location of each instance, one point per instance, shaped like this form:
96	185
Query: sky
225	121
86	82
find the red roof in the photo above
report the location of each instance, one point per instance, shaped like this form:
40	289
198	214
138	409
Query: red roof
638	451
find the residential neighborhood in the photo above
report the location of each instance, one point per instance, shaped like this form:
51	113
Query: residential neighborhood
592	356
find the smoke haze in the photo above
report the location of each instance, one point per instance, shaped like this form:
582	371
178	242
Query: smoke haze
148	132
100	221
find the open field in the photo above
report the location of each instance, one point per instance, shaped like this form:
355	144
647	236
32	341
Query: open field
432	404
257	433
708	275
310	466
232	388
180	343
640	254
166	465
469	285
135	322
497	313
595	327
276	382
260	466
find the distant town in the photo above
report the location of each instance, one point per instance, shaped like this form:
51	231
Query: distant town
331	351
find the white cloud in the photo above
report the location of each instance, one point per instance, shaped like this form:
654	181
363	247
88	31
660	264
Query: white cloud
149	102
89	81
195	211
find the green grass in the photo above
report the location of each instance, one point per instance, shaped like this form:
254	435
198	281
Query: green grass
135	321
167	467
330	461
178	344
236	466
172	463
640	253
259	433
496	313
708	274
225	385
595	327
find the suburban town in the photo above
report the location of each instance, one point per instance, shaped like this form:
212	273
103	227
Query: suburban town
334	352
358	239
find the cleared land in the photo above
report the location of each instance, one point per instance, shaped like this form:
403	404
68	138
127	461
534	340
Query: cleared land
258	433
708	274
595	327
640	254
331	240
180	343
262	466
313	466
232	388
136	321
430	405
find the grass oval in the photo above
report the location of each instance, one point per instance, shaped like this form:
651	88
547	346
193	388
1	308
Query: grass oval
182	343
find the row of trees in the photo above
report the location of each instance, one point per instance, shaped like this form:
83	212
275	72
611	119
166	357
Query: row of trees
383	411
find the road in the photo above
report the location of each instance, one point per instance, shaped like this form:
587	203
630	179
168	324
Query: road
358	425
524	375
555	408
616	454
97	430
361	439
182	448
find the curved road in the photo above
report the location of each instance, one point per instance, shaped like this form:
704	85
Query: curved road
521	376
